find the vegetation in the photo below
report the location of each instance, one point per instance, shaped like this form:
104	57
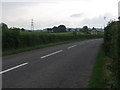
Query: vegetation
59	29
14	39
106	71
85	28
112	50
97	79
102	76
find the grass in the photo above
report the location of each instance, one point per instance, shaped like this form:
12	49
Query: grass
19	50
97	79
102	76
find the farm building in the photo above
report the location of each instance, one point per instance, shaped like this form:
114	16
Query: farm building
92	31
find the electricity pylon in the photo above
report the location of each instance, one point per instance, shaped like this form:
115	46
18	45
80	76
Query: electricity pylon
32	25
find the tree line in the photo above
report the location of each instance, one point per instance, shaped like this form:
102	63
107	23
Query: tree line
62	28
59	29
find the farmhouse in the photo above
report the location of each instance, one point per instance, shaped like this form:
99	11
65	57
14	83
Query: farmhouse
92	31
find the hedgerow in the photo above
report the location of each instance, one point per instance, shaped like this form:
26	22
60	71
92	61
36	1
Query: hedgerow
112	49
12	38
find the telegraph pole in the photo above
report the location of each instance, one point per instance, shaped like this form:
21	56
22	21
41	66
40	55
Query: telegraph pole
32	25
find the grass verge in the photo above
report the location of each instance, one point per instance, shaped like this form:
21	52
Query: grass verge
98	74
18	50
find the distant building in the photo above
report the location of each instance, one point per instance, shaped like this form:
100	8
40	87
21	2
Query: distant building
92	31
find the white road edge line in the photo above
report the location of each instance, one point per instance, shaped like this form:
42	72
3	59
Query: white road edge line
13	68
52	54
72	46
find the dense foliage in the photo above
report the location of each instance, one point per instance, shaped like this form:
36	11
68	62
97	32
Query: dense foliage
12	38
59	29
112	49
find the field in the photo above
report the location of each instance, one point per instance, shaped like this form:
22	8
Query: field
15	41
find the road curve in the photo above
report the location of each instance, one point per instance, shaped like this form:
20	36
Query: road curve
61	66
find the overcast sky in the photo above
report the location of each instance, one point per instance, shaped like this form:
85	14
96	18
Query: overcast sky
49	13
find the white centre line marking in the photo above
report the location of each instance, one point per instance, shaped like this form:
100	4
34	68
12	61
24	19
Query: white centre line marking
72	46
52	54
13	68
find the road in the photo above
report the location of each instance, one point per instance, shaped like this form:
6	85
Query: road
61	66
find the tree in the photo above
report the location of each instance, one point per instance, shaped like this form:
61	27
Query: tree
22	30
93	28
14	29
85	29
49	30
62	28
55	29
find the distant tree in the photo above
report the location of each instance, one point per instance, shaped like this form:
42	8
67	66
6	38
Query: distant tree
85	29
69	29
22	29
49	30
55	29
15	29
62	28
93	28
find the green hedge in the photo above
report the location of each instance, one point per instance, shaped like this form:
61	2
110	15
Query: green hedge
13	38
112	48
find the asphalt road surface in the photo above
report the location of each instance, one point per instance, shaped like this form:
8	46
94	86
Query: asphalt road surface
61	66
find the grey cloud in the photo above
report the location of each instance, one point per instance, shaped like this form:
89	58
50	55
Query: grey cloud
77	15
98	21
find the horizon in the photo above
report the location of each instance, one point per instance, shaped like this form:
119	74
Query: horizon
50	13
